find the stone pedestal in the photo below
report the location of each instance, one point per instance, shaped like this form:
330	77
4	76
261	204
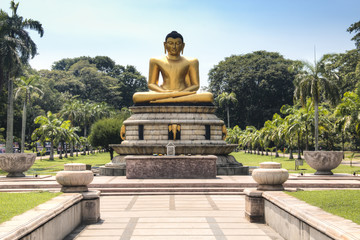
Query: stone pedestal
254	206
155	167
90	207
193	129
270	176
117	167
74	178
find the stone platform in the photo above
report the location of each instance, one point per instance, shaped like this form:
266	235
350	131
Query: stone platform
156	167
193	129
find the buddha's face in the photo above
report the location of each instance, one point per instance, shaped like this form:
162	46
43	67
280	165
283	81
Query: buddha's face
174	46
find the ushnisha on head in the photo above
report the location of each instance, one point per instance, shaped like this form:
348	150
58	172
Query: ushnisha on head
174	44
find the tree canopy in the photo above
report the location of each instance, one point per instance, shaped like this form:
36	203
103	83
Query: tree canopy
262	82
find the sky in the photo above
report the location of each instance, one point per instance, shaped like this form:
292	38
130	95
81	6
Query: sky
132	31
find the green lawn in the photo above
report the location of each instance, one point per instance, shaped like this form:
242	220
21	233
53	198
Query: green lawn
47	167
12	204
344	203
254	160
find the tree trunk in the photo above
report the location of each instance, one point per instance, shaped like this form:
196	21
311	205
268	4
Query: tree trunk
316	107
86	146
23	127
343	142
291	154
228	116
111	151
66	150
61	150
307	139
10	118
71	149
51	150
299	151
276	152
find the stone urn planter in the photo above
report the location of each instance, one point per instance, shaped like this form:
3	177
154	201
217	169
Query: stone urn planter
323	161
16	163
74	178
270	176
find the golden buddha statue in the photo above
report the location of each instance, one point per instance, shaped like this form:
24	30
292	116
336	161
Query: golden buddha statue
180	76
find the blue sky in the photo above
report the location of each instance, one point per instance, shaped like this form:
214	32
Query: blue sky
130	32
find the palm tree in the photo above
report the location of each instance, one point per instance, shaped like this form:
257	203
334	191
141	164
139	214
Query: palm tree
315	81
225	99
49	130
295	128
91	112
16	48
71	110
275	131
247	137
28	86
72	137
233	135
67	135
347	114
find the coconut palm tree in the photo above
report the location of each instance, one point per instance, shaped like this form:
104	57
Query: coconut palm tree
16	48
275	131
247	137
233	135
71	110
224	99
66	135
347	114
316	81
49	130
72	137
28	86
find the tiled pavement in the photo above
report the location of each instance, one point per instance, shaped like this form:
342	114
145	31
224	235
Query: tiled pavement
173	217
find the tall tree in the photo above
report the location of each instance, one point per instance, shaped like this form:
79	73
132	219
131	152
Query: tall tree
355	27
347	68
16	48
262	82
28	86
225	99
316	82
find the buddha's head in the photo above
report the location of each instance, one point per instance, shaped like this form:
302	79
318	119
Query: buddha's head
174	43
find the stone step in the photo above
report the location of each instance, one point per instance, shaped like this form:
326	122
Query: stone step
155	189
135	185
30	190
173	185
147	191
168	193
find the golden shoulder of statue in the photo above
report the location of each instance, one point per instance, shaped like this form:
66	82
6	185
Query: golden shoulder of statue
180	76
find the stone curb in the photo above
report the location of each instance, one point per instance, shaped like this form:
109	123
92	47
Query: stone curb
332	225
21	225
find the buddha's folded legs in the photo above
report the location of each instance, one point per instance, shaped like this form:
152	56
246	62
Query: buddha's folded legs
194	98
153	96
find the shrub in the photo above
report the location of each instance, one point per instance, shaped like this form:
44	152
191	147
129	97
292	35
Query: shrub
104	132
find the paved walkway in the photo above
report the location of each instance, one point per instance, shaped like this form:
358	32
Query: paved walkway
174	217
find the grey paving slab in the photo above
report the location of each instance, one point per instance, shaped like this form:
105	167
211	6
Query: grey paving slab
174	217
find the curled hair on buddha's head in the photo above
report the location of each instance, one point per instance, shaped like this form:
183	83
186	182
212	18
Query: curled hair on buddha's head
174	35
